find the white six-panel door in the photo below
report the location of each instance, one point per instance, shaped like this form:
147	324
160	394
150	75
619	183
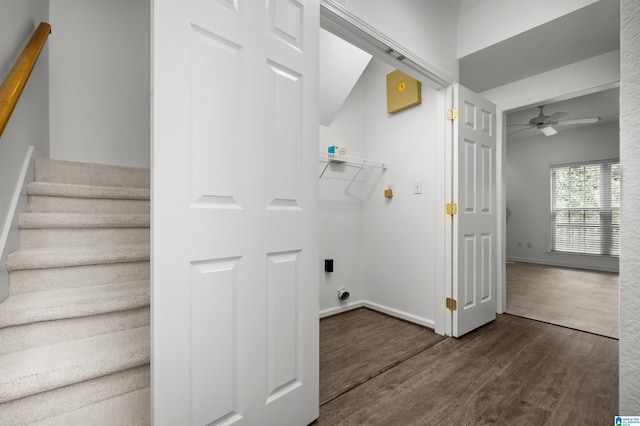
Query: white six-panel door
235	268
474	225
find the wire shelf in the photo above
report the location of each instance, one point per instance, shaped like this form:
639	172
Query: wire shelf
348	161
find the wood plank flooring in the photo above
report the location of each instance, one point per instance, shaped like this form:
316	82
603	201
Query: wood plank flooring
576	298
513	371
360	344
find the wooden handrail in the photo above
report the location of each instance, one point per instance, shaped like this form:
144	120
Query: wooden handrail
17	78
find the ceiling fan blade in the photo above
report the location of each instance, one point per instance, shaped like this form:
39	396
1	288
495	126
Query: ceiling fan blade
521	130
580	121
548	131
555	117
528	125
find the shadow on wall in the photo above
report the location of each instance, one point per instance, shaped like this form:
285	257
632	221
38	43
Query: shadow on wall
354	180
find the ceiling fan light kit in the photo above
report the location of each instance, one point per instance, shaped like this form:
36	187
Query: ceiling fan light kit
544	122
548	131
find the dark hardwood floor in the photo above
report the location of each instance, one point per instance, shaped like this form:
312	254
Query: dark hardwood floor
360	344
513	371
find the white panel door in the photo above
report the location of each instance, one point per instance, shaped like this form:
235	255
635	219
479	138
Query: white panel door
474	226
235	268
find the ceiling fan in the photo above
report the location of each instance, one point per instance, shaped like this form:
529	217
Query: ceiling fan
544	123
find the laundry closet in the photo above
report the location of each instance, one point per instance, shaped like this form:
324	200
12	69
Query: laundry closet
380	220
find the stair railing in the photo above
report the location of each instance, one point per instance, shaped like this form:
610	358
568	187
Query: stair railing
17	78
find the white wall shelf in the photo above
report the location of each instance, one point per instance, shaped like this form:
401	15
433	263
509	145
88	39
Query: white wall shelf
345	160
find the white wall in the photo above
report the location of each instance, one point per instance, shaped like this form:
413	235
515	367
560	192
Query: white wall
486	22
29	124
100	81
383	248
527	179
630	237
426	28
341	230
400	247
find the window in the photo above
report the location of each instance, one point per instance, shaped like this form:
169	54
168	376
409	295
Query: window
585	208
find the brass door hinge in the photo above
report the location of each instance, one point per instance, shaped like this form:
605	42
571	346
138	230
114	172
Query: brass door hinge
452	209
451	304
452	114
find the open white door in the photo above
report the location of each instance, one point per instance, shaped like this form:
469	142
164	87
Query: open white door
235	267
474	225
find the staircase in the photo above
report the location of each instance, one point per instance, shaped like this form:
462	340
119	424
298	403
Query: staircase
74	332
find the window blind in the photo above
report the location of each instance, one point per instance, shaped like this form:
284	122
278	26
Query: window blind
585	208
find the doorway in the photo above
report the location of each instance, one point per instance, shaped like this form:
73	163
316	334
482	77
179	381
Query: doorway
561	244
361	230
385	250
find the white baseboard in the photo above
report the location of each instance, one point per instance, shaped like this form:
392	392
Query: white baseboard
9	237
344	307
380	308
400	314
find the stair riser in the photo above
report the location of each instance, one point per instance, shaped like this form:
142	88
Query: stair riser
46	204
65	257
90	174
39	334
81	220
55	189
78	276
40	238
53	403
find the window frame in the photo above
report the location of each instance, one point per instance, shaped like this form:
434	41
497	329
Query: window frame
550	210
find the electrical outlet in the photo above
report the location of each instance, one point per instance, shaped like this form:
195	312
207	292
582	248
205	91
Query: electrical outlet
417	187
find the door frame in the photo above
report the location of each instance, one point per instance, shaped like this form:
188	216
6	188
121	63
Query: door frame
339	21
566	85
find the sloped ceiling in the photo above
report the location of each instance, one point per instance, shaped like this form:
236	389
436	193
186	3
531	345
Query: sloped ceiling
341	65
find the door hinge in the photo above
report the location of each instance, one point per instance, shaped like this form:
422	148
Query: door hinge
451	304
452	209
452	114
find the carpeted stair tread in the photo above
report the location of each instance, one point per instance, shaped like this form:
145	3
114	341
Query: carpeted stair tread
73	302
72	172
82	220
66	190
130	409
42	369
86	237
60	257
53	403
